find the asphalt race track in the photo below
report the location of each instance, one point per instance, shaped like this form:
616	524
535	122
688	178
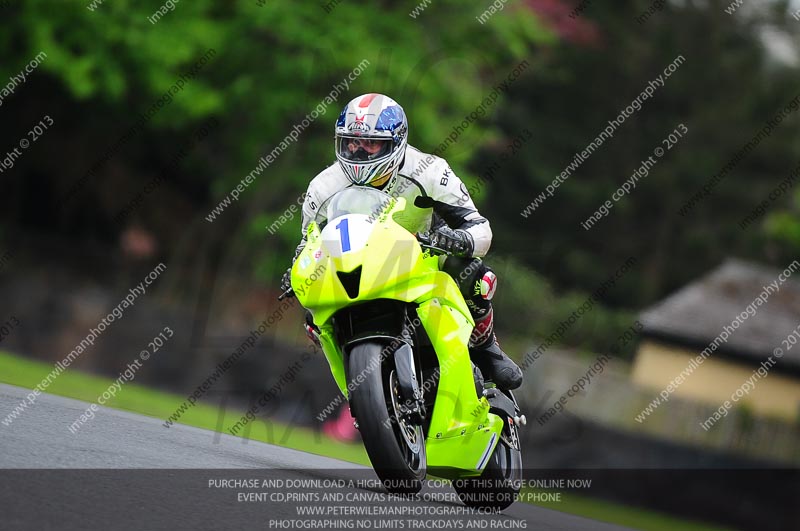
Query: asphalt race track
127	471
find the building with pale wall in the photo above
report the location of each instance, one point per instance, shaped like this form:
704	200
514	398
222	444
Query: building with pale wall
677	329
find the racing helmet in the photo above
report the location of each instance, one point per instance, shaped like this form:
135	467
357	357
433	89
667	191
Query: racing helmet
370	140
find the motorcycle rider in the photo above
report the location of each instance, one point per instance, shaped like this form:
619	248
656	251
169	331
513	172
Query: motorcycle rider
371	143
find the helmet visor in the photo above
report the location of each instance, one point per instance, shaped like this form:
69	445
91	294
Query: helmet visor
363	149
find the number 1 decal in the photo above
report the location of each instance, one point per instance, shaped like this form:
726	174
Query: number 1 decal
345	234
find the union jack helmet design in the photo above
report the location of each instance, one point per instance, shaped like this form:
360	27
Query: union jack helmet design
370	140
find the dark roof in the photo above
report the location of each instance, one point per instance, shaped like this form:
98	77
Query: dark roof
696	314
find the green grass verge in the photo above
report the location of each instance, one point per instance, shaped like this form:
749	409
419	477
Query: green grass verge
24	372
623	515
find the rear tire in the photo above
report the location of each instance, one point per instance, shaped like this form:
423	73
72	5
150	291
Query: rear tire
499	485
395	447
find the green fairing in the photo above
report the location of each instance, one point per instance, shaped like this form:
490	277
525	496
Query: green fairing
394	266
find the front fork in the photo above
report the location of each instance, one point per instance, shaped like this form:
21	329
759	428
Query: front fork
412	406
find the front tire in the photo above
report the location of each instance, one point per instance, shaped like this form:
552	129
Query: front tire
396	448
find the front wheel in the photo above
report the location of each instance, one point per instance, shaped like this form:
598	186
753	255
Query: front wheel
395	445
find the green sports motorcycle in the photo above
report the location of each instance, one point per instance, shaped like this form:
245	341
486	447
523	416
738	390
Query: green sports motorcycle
395	330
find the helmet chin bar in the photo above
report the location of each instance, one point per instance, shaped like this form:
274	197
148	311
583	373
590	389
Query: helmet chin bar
380	182
362	174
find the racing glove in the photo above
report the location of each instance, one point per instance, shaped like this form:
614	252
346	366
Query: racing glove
456	242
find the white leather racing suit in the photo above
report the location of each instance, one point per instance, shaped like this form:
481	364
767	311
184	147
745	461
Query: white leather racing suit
421	175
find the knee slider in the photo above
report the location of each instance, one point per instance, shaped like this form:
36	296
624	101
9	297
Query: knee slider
488	284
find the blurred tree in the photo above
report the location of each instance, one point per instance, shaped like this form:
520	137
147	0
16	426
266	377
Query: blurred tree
269	68
783	230
724	93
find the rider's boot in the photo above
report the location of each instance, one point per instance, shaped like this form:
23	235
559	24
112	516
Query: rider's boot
491	360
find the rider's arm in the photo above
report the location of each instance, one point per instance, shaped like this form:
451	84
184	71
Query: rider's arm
454	205
308	212
318	191
307	215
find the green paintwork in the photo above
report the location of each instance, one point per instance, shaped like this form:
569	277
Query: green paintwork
394	266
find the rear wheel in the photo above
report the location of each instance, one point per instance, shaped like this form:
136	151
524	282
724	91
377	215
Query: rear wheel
499	485
395	444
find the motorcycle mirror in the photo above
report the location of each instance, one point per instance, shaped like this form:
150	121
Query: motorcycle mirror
285	294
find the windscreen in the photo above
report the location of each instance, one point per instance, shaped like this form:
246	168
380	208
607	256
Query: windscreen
353	200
